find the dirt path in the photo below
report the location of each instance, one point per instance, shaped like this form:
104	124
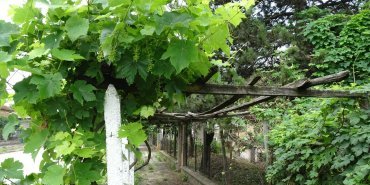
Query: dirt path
159	172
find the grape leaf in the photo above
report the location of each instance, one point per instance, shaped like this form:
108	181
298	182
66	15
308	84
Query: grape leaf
85	152
10	126
37	52
171	20
181	54
25	91
4	57
6	30
53	40
76	27
83	92
147	30
84	174
24	14
4	73
163	68
65	54
147	111
133	132
65	148
217	39
54	175
35	141
128	68
48	85
11	169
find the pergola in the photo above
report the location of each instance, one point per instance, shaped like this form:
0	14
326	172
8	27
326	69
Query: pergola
228	108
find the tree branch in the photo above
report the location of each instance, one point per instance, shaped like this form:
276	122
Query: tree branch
149	156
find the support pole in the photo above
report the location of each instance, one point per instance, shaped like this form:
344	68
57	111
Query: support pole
265	141
118	171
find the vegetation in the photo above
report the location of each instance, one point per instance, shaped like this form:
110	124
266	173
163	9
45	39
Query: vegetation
148	49
151	50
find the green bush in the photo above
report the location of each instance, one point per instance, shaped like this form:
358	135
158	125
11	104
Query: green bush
216	147
322	142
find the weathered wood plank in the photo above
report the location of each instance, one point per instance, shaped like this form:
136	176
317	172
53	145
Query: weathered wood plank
234	98
269	91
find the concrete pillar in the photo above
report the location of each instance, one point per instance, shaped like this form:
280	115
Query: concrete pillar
118	171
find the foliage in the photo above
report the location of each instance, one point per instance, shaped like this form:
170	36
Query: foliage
10	126
341	43
322	142
10	169
149	49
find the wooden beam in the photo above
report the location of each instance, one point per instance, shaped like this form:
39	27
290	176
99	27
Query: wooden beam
269	91
300	84
234	98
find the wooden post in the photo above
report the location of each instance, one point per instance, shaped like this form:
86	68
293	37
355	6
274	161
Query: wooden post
253	154
118	171
180	141
159	139
265	141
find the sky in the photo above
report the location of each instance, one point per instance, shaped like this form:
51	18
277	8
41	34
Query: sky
17	75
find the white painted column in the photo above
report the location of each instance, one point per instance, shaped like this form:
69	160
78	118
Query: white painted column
118	172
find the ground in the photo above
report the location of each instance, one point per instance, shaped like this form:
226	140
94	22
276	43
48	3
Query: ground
157	172
160	172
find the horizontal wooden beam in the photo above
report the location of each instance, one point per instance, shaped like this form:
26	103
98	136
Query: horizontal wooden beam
253	80
269	91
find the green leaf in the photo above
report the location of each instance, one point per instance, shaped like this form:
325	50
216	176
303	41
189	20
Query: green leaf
65	148
24	14
133	132
84	173
6	30
216	38
76	27
163	68
181	54
37	52
172	20
147	111
35	142
54	175
10	126
83	92
147	30
53	40
25	91
65	54
48	85
85	152
11	169
4	57
128	68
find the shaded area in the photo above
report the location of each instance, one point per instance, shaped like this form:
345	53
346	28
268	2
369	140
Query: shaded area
159	171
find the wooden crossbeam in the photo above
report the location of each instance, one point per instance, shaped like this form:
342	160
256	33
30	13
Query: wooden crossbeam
234	98
269	91
294	89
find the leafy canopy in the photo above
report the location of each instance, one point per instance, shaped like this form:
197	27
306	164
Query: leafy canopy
73	50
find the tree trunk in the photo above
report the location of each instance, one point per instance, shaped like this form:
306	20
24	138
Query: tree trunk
205	166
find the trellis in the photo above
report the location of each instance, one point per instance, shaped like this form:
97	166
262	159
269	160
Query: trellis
299	88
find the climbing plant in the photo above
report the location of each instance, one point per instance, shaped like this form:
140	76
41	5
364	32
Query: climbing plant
73	49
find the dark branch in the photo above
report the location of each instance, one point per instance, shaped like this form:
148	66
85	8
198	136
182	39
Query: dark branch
149	156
